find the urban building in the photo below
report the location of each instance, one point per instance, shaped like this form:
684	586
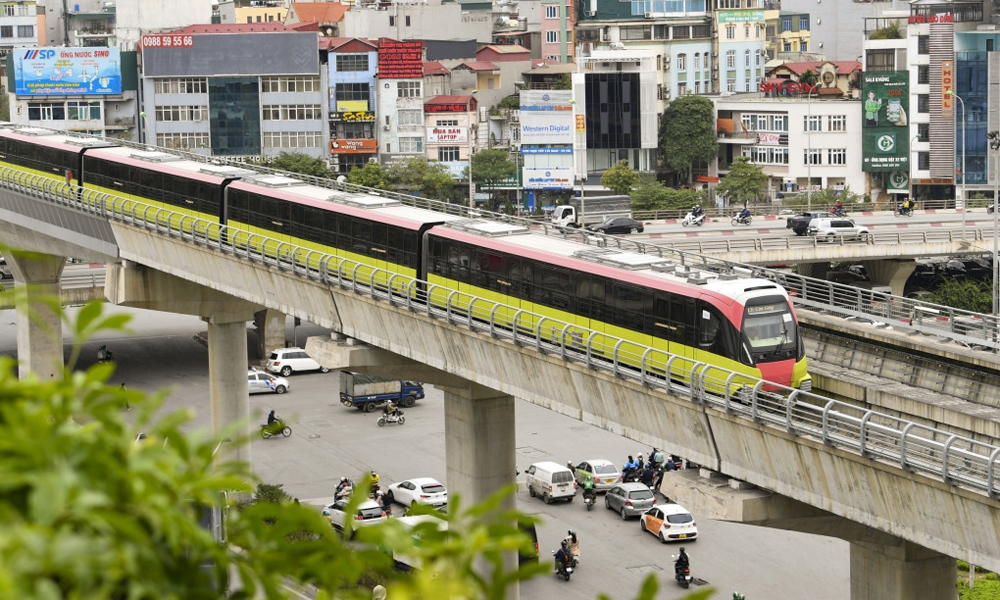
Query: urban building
328	16
548	132
252	11
739	46
437	79
833	78
519	23
557	27
413	21
94	27
837	25
400	100
617	90
133	18
788	35
22	25
451	123
800	142
352	65
272	99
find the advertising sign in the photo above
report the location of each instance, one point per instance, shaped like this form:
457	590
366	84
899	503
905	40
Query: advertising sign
447	135
899	182
741	16
947	85
167	41
554	178
353	146
352	105
769	139
67	71
885	141
358	116
547	117
545	150
400	60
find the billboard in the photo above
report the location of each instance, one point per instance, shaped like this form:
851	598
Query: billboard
228	55
354	146
67	71
358	116
548	178
547	117
400	60
447	135
885	141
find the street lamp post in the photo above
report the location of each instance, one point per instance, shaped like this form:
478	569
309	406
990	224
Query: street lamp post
964	199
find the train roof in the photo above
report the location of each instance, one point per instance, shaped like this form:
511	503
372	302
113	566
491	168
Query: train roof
385	209
171	163
51	139
632	267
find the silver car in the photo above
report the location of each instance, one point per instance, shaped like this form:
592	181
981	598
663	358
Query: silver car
629	499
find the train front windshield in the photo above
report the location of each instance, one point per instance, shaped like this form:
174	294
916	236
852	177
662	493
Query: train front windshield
770	331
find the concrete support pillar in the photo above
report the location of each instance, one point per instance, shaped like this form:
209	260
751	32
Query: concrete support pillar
901	572
229	393
816	270
270	326
891	272
479	449
39	327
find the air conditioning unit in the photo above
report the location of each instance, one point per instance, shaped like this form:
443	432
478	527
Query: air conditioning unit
386	128
666	94
649	15
591	13
373	160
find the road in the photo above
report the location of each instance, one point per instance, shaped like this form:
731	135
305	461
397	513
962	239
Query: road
330	440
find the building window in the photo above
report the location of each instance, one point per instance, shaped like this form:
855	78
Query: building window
746	58
682	88
408	89
446	122
182	141
682	62
924	131
637	33
22	10
766	155
764	122
448	153
411	145
181	113
354	61
730	32
923	103
731	84
697	87
292	112
812	123
746	31
410	117
392	21
682	33
39	111
812	156
83	110
25	31
787	46
756	32
803	46
924	161
880	60
355	131
348	92
701	31
731	59
6	31
551	36
706	57
786	24
836	123
923	74
180	86
923	44
803	23
836	156
756	57
290	84
293	139
551	12
8	10
406	22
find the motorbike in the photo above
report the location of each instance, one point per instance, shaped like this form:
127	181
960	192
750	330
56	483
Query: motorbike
738	220
396	417
589	498
562	570
682	575
902	212
103	354
690	219
275	429
838	211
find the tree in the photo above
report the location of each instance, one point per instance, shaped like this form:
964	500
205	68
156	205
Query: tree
620	178
431	180
809	77
964	294
565	82
688	133
745	182
653	196
296	162
371	175
492	167
889	32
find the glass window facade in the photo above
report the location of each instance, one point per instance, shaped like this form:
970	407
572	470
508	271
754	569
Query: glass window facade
234	106
971	84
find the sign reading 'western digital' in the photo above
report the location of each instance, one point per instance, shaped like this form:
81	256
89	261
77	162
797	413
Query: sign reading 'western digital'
547	117
67	71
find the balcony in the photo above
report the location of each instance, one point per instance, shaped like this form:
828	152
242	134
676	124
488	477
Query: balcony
504	25
737	137
93	33
121	123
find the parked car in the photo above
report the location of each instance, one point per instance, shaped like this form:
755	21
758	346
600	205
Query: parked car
618	225
629	499
421	490
368	513
291	360
835	229
604	473
260	382
800	223
669	522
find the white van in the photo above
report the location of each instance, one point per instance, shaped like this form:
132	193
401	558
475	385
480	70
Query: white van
551	481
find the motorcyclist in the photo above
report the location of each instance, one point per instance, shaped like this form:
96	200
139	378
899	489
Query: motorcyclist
271	418
563	557
343	485
389	409
696	211
647	475
682	561
374	479
639	465
573	545
838	209
588	488
629	468
657	458
907	204
744	214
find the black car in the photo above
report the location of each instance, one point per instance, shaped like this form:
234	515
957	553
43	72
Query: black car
800	223
618	225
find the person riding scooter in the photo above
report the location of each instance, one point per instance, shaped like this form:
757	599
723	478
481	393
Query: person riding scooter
588	489
563	557
390	409
744	215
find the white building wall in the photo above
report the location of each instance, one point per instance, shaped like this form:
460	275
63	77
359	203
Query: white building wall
426	21
390	133
837	26
136	16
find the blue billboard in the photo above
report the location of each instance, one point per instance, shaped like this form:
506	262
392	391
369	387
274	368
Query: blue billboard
67	71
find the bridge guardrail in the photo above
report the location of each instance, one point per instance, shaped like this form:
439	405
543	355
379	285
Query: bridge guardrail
954	459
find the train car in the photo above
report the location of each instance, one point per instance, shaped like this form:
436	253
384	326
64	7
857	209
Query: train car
745	325
379	232
45	152
162	180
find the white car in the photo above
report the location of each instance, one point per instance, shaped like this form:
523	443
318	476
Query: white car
260	382
670	523
292	360
368	513
833	229
421	490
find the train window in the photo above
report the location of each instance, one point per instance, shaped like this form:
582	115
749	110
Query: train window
628	306
709	328
409	247
770	328
554	288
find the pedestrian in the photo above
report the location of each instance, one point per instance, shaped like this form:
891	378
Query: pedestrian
125	396
378	593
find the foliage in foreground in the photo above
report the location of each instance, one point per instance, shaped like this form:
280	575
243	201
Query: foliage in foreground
987	585
90	512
